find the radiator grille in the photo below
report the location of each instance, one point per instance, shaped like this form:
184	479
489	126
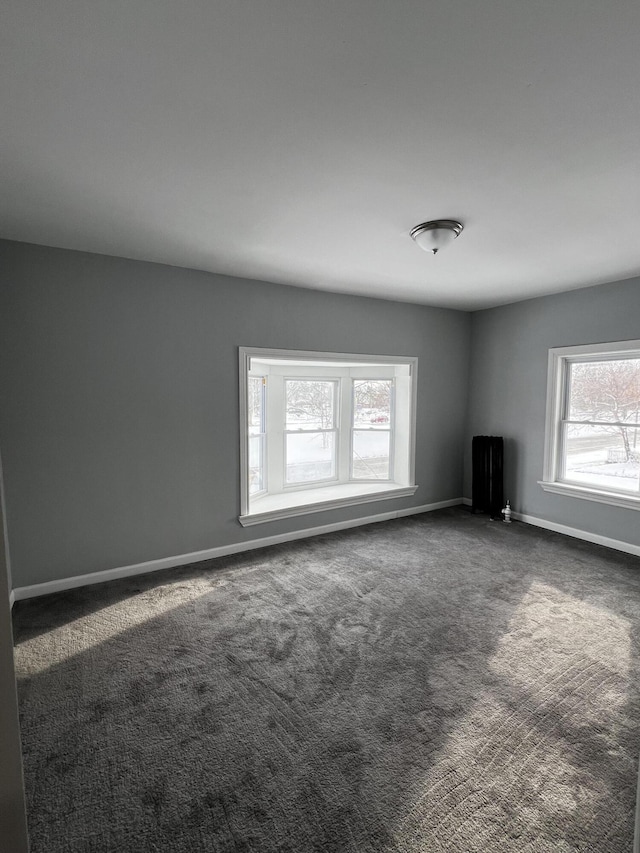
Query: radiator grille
486	484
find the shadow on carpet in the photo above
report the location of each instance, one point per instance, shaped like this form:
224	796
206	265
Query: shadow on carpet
435	683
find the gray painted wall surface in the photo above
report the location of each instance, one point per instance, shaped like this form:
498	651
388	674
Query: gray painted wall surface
119	402
508	385
13	821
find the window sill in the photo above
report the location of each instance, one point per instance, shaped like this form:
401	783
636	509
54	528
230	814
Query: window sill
626	501
292	504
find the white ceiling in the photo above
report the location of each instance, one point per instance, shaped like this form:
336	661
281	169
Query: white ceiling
299	141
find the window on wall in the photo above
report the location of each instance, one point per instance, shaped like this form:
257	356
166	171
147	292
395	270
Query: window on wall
323	430
311	430
592	447
372	419
256	433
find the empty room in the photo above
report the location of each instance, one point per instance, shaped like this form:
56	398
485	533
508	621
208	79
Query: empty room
319	427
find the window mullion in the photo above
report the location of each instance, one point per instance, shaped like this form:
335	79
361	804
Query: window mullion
618	424
343	422
275	433
561	428
302	431
392	431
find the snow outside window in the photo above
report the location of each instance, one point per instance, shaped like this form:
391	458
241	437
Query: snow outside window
371	436
310	430
593	423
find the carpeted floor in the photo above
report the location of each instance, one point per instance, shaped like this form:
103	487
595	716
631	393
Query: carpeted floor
435	683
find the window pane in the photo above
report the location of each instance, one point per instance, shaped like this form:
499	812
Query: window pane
256	467
370	455
310	404
605	457
256	407
605	391
372	403
310	456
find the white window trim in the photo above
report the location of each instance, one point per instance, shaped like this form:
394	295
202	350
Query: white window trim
559	357
324	498
330	496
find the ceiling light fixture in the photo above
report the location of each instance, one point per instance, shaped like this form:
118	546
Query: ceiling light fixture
435	235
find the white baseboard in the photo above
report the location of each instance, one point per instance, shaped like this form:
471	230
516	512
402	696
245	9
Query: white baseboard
12	598
22	592
616	544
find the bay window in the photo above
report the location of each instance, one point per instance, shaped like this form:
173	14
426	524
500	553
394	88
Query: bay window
322	430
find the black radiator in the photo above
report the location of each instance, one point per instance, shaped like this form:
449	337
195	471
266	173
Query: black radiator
486	484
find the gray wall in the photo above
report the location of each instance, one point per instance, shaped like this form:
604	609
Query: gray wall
119	402
508	383
13	821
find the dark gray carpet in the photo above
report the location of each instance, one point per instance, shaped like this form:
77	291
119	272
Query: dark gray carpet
437	683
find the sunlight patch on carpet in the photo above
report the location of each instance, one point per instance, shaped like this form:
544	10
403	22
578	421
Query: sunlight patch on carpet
58	645
517	767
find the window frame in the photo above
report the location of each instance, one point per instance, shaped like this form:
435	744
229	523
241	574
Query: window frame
328	495
558	390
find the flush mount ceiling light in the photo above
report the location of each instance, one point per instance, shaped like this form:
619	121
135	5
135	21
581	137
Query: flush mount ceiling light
435	235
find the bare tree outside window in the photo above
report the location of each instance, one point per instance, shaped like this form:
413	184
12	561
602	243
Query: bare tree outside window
601	441
310	404
310	430
609	392
372	399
